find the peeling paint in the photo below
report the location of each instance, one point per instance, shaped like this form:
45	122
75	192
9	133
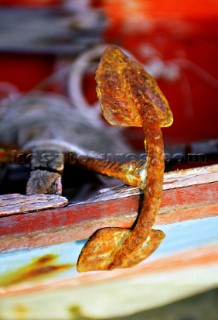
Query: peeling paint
38	268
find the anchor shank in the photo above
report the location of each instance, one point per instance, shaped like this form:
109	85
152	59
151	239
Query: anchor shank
153	190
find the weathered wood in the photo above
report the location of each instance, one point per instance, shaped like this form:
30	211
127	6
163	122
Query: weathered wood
172	276
206	256
189	177
118	208
186	263
174	179
17	203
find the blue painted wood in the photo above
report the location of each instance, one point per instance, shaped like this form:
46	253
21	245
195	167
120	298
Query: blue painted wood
179	237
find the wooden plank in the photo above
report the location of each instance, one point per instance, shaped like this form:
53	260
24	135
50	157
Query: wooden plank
188	177
174	277
182	200
187	244
16	203
186	263
79	221
206	255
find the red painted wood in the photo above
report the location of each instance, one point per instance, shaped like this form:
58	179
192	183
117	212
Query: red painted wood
80	221
78	213
186	197
189	197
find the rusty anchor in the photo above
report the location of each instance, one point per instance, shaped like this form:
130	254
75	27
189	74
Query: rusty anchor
129	96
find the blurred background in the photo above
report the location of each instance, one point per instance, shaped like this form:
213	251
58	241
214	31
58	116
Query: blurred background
175	40
49	51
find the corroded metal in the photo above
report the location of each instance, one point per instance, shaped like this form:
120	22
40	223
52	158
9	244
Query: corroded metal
131	172
130	97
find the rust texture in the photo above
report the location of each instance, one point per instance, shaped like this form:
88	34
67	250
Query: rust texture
38	268
129	96
131	172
